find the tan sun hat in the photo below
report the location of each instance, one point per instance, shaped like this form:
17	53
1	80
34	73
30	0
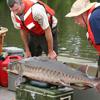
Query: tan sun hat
79	7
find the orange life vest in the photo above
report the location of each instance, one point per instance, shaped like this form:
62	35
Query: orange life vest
90	33
29	24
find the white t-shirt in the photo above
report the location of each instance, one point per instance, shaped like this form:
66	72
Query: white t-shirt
39	15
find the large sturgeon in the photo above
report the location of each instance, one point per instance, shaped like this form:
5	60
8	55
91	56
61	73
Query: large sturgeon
50	71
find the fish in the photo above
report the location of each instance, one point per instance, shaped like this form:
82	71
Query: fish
51	71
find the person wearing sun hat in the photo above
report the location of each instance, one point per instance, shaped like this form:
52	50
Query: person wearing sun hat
87	15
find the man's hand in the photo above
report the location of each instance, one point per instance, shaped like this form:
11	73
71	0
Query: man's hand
52	55
27	54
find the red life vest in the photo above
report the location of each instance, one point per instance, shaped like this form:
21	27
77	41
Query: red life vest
29	24
90	33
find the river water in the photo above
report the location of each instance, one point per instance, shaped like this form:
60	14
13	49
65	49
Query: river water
71	38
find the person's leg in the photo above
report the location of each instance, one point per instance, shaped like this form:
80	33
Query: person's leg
34	46
43	44
55	39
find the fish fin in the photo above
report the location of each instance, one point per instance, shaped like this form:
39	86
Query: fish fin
84	68
63	83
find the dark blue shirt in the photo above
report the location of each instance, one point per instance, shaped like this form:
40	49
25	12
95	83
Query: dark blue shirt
95	24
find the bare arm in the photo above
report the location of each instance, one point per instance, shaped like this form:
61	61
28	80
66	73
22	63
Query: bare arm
24	37
41	17
48	34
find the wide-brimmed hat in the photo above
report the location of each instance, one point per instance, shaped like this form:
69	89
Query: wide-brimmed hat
79	7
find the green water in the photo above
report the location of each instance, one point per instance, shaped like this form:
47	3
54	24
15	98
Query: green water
72	38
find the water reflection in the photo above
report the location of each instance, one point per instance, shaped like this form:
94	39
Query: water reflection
75	44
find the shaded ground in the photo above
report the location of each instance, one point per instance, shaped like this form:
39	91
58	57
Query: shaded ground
6	95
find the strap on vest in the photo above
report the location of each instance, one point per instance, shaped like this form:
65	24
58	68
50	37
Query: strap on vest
22	20
50	22
51	19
